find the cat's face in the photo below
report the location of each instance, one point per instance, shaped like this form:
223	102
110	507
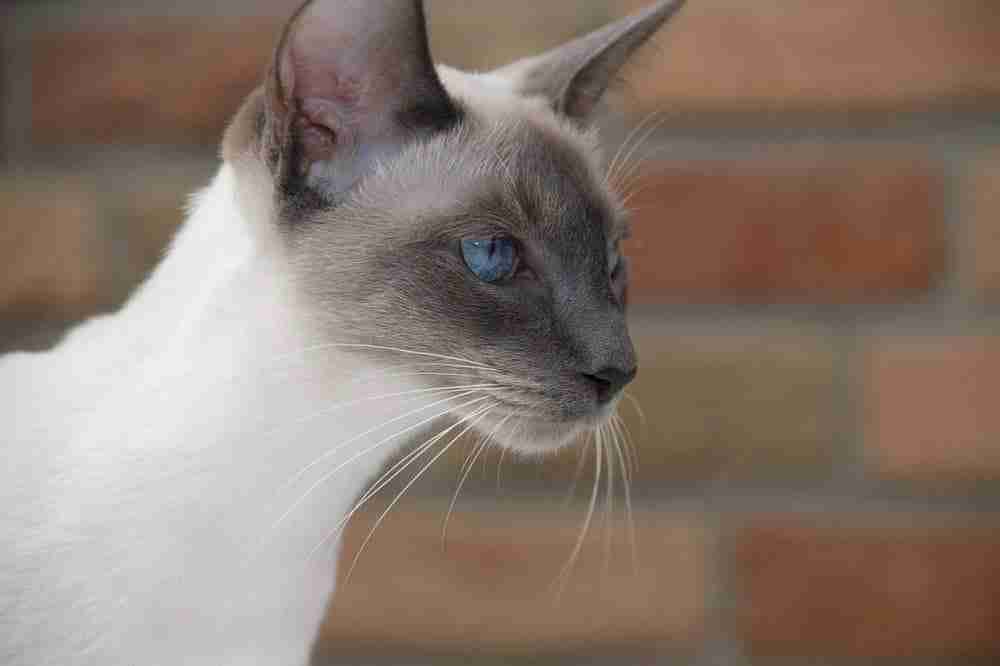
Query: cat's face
463	218
496	242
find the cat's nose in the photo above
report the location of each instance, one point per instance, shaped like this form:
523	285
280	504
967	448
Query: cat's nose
608	382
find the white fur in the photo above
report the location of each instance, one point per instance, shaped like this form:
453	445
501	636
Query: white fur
147	458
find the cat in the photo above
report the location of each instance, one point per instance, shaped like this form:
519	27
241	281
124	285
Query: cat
389	245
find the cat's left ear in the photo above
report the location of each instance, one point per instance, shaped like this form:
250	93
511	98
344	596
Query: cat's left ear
352	82
575	76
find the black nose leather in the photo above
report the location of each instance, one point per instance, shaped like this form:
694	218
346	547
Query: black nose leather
609	381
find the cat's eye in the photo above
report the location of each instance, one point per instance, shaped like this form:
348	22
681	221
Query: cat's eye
491	259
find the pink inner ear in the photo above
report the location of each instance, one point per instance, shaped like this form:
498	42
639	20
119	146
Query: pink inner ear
314	68
323	112
367	56
318	142
346	69
336	76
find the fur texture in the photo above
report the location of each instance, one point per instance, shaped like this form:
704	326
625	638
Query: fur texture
176	472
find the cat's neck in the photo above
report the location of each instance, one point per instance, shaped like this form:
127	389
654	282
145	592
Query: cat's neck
221	283
202	417
219	265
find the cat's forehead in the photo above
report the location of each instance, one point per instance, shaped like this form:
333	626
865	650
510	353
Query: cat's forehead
551	184
511	161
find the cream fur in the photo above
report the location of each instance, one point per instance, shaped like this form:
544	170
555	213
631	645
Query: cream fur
150	455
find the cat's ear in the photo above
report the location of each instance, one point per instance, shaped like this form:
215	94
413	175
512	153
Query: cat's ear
352	81
575	76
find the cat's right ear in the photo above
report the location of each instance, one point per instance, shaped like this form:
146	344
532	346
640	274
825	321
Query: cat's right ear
351	82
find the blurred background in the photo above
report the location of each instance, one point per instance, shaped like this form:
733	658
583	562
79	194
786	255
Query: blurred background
816	301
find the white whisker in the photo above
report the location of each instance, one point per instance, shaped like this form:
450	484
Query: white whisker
500	459
627	165
326	477
389	371
627	168
629	446
473	418
305	470
388	477
403	375
615	424
609	499
585	528
581	462
411	352
612	170
385	396
384	480
632	184
390	474
466	469
281	361
627	480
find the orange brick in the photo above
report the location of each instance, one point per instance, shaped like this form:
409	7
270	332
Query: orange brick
932	408
165	82
985	212
155	80
822	229
830	56
491	589
815	588
734	406
161	81
49	249
479	36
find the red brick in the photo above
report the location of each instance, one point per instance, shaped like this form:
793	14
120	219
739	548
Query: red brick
985	219
831	56
49	249
932	408
169	81
479	36
734	406
816	588
820	229
153	80
491	589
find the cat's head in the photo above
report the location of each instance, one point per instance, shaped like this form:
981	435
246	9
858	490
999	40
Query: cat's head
464	220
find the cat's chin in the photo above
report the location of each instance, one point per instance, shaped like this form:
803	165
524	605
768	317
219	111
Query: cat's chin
536	436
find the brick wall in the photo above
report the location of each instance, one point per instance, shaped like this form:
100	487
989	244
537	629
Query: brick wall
817	290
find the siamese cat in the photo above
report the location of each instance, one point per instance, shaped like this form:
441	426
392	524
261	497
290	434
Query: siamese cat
390	248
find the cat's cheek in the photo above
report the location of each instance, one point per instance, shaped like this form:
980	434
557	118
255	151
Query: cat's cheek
621	281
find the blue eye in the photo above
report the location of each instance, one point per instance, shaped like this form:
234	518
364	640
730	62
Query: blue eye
491	260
